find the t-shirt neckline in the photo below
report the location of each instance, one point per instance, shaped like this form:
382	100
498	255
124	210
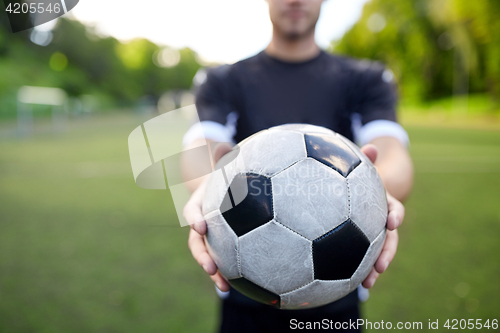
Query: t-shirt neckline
270	58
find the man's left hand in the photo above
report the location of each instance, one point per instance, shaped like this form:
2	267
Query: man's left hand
396	213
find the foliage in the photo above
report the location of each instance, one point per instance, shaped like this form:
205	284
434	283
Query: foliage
80	62
435	48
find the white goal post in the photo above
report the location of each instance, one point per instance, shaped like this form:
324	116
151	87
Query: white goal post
28	95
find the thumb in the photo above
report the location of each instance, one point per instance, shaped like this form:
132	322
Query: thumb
221	149
370	151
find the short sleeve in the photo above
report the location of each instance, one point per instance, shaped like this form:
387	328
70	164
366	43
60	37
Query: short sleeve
217	115
374	93
213	98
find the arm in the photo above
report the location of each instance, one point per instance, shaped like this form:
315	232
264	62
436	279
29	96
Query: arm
214	108
191	167
213	104
394	166
396	171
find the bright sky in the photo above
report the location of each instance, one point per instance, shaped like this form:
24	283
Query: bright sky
218	30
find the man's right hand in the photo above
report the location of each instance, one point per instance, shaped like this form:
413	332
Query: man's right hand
194	216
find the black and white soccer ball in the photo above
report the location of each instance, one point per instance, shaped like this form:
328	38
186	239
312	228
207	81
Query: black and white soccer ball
296	216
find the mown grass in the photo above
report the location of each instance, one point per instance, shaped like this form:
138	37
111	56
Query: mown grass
477	111
83	249
447	264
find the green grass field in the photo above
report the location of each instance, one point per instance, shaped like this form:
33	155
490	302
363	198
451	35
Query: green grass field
83	249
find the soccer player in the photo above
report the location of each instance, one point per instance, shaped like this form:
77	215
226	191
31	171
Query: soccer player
294	81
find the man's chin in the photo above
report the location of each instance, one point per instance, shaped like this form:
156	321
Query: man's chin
296	34
292	36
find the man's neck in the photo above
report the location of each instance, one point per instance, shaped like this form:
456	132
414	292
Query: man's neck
299	50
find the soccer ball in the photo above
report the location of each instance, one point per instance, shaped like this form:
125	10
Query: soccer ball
295	215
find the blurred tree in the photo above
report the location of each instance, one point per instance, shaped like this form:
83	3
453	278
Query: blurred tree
81	62
436	48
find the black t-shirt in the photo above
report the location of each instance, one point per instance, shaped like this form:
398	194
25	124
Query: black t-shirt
326	90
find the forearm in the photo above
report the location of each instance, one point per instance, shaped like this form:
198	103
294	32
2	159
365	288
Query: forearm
191	167
394	166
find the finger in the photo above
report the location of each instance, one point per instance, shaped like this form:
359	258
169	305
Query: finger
200	226
370	279
220	282
199	251
196	221
396	212
221	149
370	151
388	251
192	211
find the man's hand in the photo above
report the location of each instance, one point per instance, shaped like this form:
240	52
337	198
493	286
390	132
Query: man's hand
194	216
196	242
394	220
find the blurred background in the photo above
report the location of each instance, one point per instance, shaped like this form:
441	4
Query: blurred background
83	249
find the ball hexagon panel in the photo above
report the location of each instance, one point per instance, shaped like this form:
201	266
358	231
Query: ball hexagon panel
368	200
222	245
260	155
310	198
369	260
304	128
254	209
248	138
314	294
338	253
332	151
276	258
250	289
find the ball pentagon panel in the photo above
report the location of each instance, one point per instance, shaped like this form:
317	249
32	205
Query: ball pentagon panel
369	260
355	149
253	209
252	290
332	151
338	253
